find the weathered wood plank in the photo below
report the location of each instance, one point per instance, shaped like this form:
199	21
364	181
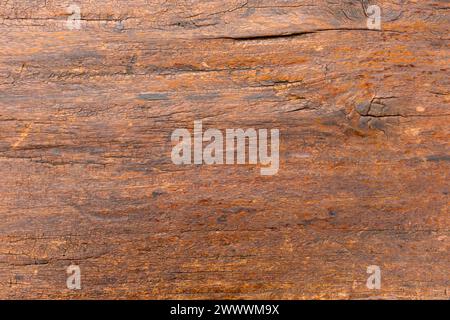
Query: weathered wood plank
85	123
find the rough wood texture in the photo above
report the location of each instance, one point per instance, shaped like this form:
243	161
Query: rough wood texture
85	123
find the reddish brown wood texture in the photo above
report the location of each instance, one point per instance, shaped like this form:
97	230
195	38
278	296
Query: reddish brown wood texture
85	123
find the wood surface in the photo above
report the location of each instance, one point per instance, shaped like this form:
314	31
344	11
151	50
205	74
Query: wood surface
86	118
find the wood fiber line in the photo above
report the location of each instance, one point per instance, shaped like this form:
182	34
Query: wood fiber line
86	118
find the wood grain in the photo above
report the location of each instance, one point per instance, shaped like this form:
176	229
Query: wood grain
85	123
